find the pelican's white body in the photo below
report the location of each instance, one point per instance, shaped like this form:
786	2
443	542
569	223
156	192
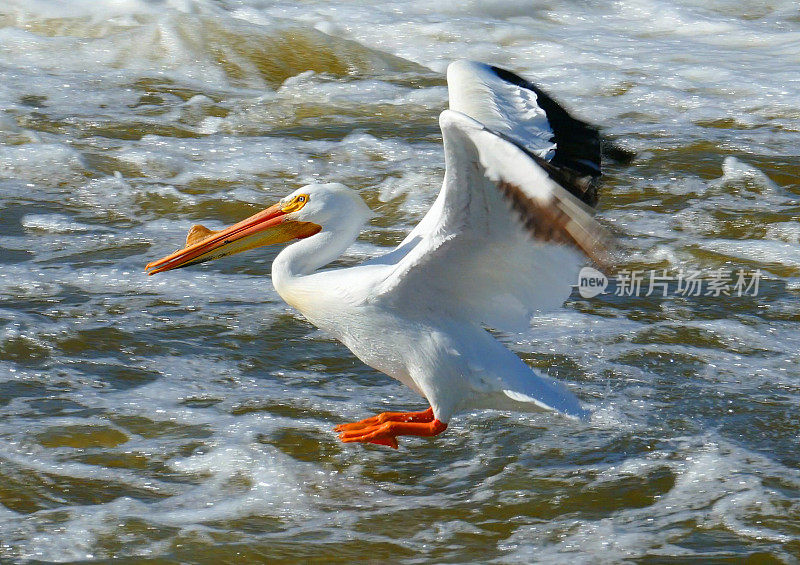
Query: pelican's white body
418	313
451	361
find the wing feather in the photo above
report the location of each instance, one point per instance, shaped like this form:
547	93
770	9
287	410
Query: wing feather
503	239
507	234
513	222
519	110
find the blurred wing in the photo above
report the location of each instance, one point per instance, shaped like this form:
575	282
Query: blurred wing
506	235
519	110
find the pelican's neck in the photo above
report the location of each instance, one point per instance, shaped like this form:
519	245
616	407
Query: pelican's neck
303	257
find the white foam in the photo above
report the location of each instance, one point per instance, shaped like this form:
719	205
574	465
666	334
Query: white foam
716	484
784	231
44	163
762	253
735	171
55	223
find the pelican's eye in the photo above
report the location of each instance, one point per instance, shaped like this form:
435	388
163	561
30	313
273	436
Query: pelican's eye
295	203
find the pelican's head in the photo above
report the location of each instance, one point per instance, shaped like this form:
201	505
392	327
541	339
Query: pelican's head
303	213
326	205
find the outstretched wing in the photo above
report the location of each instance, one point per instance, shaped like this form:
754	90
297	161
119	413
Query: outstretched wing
519	110
509	229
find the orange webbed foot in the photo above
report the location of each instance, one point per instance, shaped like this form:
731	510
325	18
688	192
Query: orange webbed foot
424	416
384	428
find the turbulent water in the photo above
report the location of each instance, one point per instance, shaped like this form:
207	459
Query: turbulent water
187	416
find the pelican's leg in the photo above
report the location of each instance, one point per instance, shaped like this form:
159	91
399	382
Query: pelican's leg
386	432
424	416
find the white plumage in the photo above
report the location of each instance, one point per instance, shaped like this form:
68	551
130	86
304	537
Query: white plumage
505	238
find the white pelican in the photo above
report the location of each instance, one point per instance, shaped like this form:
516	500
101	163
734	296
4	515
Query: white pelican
505	238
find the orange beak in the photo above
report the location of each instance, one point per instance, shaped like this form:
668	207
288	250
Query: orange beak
267	227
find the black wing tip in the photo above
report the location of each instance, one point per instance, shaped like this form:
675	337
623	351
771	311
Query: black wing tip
578	143
581	185
546	101
608	148
616	152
